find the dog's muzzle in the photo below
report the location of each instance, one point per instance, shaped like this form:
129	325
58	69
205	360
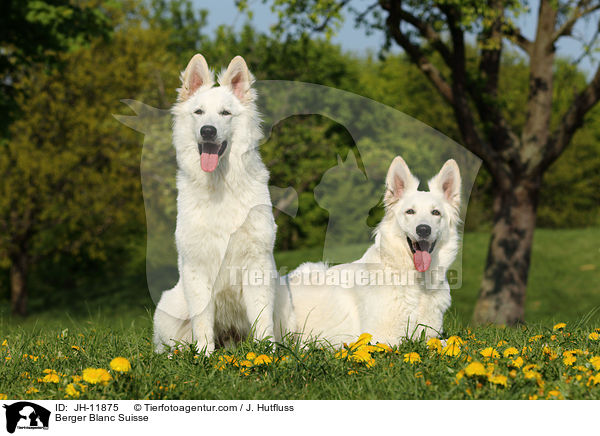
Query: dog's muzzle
421	250
210	153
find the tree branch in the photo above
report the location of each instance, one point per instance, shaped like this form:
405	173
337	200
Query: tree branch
461	90
329	16
499	132
521	41
572	120
583	8
428	32
417	56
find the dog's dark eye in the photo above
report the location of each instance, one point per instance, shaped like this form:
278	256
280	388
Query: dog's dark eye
410	211
225	112
198	111
435	212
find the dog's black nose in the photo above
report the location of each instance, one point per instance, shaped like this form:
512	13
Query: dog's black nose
423	230
208	132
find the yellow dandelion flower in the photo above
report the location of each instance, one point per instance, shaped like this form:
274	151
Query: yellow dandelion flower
220	365
559	326
246	363
360	355
71	391
342	354
533	397
31	390
75	347
451	350
593	380
96	375
229	359
352	371
555	395
510	351
3	397
489	352
459	375
51	378
434	344
569	360
412	357
76	378
120	364
595	361
513	373
5	344
530	367
553	338
498	379
363	339
501	343
594	336
535	338
382	348
475	369
263	359
251	356
456	340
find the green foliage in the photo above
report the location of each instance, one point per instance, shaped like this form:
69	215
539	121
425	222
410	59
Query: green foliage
38	31
71	171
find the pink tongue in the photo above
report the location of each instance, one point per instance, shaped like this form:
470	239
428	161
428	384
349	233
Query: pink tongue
209	161
422	260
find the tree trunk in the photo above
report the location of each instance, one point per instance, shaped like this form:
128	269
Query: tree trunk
18	284
502	293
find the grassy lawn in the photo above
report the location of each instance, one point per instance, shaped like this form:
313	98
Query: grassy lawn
93	328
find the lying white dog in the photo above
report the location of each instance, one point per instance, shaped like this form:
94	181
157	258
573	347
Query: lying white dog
398	289
225	223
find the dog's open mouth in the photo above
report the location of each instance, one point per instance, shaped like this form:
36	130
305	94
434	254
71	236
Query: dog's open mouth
421	251
209	154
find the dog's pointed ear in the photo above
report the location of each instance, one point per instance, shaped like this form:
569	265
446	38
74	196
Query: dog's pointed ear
196	74
239	79
398	181
448	183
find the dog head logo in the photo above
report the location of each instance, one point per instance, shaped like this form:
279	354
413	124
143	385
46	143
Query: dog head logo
26	415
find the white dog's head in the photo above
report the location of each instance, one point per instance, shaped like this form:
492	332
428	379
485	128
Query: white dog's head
207	116
425	219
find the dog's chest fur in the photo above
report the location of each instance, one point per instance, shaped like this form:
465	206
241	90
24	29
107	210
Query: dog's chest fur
220	225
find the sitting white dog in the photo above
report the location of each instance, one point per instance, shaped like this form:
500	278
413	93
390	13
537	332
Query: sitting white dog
225	228
398	289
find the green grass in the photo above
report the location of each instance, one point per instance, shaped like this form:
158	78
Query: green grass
117	322
310	373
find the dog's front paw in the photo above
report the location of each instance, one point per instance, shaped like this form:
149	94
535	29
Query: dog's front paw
205	348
